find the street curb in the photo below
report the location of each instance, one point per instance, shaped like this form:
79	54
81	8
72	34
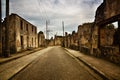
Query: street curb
104	76
19	71
97	71
11	59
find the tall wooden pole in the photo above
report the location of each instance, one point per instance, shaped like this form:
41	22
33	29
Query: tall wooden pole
63	27
46	29
7	41
46	32
0	28
63	33
119	33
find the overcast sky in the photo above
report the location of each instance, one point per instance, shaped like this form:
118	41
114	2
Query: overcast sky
72	12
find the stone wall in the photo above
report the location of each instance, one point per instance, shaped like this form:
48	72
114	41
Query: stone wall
12	32
108	38
110	53
74	40
108	9
23	35
41	39
26	34
52	42
58	40
112	8
84	36
107	35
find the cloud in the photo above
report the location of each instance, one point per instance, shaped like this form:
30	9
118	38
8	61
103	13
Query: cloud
72	12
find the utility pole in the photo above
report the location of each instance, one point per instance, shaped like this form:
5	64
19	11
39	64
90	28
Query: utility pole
0	28
7	42
119	33
63	27
46	32
46	28
63	31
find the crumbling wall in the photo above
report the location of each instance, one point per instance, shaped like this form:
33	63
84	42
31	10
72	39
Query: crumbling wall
74	40
108	39
108	9
41	39
84	36
58	40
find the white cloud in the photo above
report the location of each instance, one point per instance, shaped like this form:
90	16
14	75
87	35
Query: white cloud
72	12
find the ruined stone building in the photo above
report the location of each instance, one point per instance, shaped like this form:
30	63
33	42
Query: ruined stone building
74	40
107	38
66	40
99	38
107	35
41	39
69	40
23	35
51	42
84	37
58	40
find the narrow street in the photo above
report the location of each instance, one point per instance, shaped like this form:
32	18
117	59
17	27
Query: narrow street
59	40
54	64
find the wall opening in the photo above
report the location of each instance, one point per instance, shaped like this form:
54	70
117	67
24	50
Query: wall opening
22	42
32	42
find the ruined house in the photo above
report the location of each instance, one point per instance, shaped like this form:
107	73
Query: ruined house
74	40
51	42
58	40
41	39
107	13
84	37
66	40
23	34
69	40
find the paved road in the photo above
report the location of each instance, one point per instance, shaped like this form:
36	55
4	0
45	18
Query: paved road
7	70
54	64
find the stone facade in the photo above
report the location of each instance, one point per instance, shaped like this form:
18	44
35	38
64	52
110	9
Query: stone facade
84	36
108	38
51	42
68	40
107	35
108	9
23	35
41	39
58	40
74	40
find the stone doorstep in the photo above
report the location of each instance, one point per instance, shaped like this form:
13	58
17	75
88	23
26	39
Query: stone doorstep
13	57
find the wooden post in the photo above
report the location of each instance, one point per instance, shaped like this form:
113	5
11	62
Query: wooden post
0	28
7	43
63	33
119	33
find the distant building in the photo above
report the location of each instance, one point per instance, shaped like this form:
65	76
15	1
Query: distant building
74	40
23	35
58	40
51	42
68	40
41	39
